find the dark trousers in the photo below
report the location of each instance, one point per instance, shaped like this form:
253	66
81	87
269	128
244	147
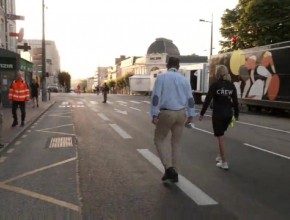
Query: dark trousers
105	96
21	105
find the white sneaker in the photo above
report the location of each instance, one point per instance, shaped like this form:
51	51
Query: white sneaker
218	159
223	165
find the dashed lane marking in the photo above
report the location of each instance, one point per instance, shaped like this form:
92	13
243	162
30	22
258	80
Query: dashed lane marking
192	191
120	131
17	142
135	109
147	102
10	151
2	159
136	102
103	116
24	136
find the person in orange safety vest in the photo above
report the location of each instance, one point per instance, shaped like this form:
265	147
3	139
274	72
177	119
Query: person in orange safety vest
18	94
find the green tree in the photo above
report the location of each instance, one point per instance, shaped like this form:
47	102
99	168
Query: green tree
256	23
64	79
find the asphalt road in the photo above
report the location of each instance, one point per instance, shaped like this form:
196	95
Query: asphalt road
109	168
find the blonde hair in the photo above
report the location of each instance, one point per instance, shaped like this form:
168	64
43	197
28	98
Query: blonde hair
222	73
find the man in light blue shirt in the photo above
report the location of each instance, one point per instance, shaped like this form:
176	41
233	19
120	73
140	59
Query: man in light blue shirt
172	106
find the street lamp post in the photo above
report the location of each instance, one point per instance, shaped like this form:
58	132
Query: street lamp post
211	32
43	74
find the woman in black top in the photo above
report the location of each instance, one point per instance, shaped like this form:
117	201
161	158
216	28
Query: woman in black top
34	91
224	95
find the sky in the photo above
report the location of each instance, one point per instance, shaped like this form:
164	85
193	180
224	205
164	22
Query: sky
92	33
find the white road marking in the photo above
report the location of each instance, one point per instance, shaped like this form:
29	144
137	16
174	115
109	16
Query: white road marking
103	116
109	102
24	136
10	151
135	109
135	102
148	102
120	111
205	131
28	131
259	126
2	159
267	151
17	142
192	191
94	102
120	131
123	104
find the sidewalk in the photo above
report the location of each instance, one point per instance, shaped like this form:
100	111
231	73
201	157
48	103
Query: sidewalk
32	114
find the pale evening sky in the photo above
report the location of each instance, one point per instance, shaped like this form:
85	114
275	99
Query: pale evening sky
91	33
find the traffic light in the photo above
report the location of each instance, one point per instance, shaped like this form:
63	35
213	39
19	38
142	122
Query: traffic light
234	42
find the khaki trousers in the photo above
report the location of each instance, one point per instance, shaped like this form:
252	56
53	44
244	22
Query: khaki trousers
169	121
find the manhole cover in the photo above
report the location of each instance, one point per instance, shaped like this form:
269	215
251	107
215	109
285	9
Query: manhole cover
60	142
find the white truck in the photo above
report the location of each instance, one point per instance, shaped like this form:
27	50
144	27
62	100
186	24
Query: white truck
197	74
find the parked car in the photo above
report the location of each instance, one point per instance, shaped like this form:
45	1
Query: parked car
52	88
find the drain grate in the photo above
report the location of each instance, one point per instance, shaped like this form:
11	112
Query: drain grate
60	142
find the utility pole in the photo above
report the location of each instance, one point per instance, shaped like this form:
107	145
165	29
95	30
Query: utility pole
44	92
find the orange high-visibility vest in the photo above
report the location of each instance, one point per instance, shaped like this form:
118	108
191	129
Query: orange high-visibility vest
19	91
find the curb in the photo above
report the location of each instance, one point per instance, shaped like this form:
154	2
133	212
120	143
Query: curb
27	125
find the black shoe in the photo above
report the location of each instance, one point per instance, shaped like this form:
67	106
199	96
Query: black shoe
14	123
22	124
104	102
170	174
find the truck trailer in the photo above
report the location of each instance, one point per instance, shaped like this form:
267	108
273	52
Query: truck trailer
261	75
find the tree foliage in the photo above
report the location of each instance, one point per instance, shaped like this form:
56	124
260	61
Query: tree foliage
256	23
64	79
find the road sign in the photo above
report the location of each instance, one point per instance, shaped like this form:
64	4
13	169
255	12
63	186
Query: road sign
14	17
25	47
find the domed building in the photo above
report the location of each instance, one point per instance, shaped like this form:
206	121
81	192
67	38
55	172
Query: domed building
163	45
159	52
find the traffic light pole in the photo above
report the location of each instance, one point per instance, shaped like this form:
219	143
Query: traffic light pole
43	78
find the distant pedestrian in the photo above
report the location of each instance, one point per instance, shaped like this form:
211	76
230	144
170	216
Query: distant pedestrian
79	89
34	90
105	91
224	95
18	94
97	89
172	107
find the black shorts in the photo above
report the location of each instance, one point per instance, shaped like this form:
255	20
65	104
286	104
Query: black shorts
220	124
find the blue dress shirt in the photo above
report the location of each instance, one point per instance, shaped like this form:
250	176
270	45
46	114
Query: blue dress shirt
172	91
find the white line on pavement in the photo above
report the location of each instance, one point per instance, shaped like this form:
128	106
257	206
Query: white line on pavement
104	117
259	126
135	109
17	142
192	191
120	131
267	151
135	102
147	102
10	151
2	159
